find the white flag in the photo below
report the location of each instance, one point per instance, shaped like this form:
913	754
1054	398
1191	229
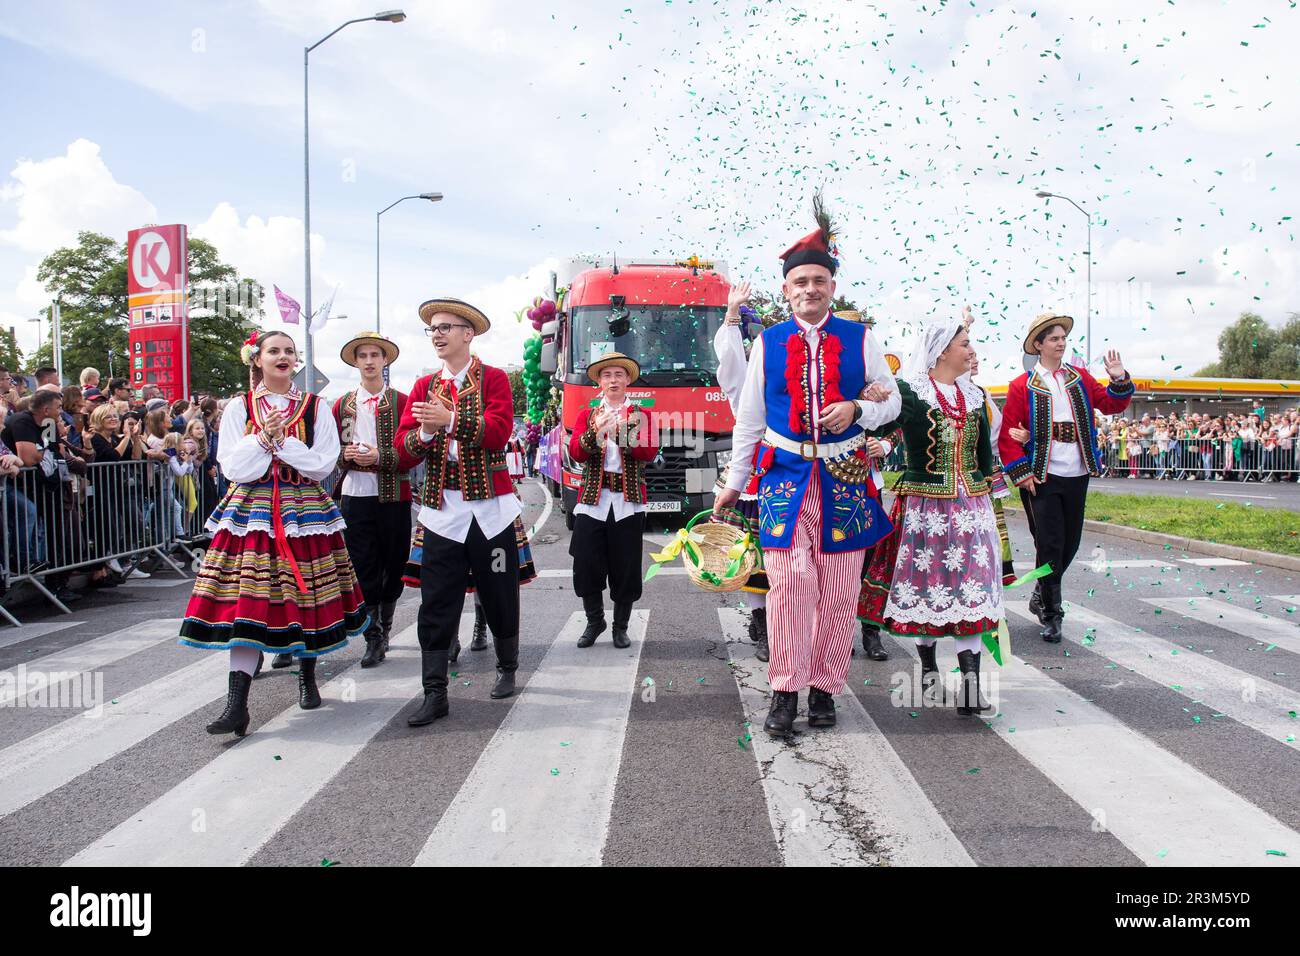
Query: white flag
323	313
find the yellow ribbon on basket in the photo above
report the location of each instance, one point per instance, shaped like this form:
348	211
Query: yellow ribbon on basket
737	552
683	539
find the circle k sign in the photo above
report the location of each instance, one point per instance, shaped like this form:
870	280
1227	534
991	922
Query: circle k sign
151	260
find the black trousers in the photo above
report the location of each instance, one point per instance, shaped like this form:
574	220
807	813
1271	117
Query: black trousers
444	575
1056	511
610	550
378	536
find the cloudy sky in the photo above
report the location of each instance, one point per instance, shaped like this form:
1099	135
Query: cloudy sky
672	128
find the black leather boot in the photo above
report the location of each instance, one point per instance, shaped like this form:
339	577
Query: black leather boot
480	641
507	664
1036	601
871	643
780	718
758	632
308	692
433	676
594	605
931	685
1053	614
234	719
261	659
969	699
374	639
387	611
622	617
281	661
821	708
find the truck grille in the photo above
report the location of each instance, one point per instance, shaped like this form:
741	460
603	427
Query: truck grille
670	478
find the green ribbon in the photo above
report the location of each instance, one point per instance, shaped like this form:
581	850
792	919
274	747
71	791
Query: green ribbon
1041	571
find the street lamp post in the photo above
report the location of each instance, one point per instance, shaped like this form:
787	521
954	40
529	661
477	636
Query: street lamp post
432	197
1043	194
387	16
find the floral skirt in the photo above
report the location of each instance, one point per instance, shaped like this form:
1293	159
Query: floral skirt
411	576
939	573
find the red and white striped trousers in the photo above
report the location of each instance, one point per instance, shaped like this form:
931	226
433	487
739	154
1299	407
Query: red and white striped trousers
812	605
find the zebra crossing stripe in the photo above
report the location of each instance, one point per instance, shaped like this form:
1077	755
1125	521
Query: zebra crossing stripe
222	814
1258	703
818	820
1164	810
16	635
75	662
542	791
1248	622
45	761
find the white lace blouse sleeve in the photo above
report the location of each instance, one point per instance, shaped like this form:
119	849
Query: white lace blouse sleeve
242	457
319	460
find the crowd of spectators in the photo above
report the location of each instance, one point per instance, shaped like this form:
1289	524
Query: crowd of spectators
1251	446
73	500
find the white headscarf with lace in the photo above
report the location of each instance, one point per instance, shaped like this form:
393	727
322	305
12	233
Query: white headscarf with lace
930	344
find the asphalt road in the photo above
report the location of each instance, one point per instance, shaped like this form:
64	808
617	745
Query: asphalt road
1156	734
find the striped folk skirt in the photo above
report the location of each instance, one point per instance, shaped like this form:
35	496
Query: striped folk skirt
246	593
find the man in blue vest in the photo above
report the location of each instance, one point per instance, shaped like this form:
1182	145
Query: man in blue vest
799	445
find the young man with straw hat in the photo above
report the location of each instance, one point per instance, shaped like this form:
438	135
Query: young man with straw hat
612	441
458	421
374	488
1054	403
799	431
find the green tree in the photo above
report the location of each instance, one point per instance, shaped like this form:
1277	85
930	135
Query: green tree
90	281
518	391
1246	350
11	357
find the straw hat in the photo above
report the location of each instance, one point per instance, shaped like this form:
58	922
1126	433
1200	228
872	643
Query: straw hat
349	351
473	316
1044	321
610	359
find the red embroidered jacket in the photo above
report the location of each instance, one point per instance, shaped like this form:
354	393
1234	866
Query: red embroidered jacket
484	420
637	443
1029	406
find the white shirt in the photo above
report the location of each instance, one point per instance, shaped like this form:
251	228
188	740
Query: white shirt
729	347
243	459
365	431
610	499
751	417
1063	458
453	519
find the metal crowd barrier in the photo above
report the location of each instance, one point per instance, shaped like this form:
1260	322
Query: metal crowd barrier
52	525
1205	459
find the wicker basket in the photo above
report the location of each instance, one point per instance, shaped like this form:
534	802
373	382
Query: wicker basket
707	556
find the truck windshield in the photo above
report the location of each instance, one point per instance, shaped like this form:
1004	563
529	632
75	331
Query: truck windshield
671	343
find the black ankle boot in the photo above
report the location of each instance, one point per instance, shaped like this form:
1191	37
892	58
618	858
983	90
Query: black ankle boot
261	659
480	642
234	719
387	611
433	677
1036	601
507	664
758	632
780	717
969	700
374	639
281	661
871	643
1053	614
308	692
594	605
931	686
622	617
821	708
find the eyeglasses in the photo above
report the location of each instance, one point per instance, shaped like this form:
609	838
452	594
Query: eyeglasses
443	329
